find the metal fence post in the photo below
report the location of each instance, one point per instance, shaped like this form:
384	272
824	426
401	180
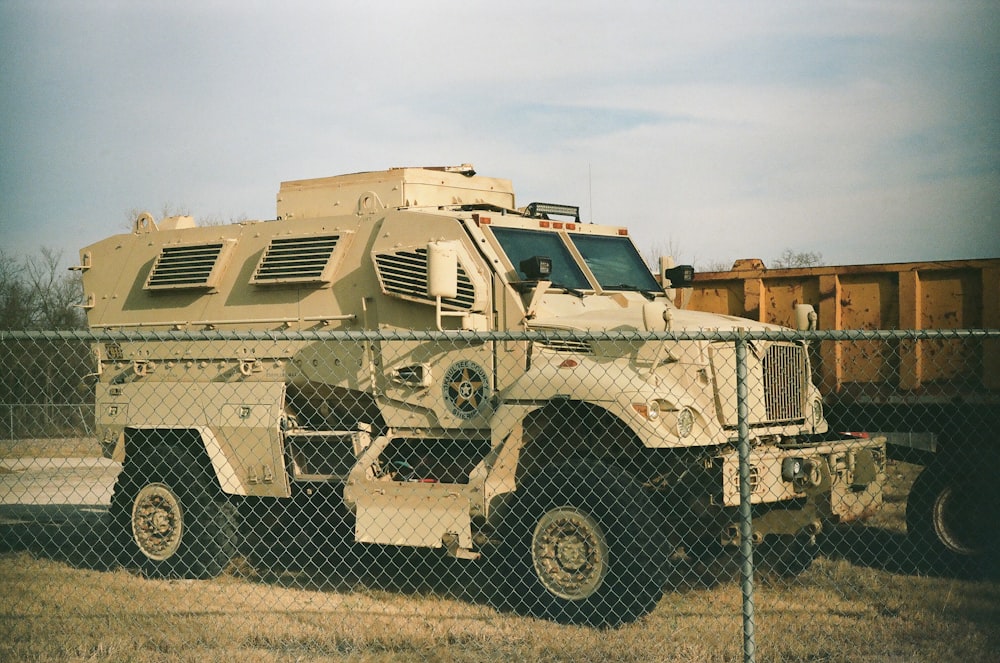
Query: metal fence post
746	522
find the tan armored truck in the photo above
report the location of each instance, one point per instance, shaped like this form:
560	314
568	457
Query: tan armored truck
533	436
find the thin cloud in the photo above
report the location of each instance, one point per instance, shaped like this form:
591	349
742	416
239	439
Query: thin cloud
867	131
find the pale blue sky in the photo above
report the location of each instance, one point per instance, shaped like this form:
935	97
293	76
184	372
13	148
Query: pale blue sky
867	131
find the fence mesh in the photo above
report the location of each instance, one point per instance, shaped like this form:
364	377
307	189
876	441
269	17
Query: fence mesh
463	496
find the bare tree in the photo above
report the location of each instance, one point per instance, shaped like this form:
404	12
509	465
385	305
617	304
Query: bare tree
662	247
218	220
670	247
715	266
37	294
15	300
790	258
57	294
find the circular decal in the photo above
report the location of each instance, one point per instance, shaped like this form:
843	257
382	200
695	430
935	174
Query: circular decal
465	388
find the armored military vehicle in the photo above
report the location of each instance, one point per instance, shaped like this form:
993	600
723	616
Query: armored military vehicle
574	465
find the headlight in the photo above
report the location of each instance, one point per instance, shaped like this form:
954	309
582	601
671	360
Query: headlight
817	412
649	410
678	422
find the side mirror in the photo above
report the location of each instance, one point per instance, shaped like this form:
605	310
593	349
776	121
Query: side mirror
442	277
442	269
805	317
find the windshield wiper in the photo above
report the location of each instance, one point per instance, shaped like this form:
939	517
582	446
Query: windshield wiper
526	286
566	288
627	286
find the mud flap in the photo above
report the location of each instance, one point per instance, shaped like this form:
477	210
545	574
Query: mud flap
398	512
413	514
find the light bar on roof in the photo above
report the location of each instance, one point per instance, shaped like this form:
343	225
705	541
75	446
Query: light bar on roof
543	209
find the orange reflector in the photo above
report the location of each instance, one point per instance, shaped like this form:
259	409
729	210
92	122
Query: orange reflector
623	231
557	225
543	224
484	220
642	409
570	226
569	363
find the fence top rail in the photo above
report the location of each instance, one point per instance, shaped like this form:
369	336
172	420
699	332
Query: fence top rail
471	336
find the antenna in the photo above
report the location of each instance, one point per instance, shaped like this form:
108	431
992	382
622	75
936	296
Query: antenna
590	191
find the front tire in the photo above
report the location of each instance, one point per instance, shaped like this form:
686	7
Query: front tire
577	549
171	526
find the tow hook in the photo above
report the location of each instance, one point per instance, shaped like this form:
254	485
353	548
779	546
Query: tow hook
812	530
805	474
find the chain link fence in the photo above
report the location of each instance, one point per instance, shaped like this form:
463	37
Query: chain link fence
483	496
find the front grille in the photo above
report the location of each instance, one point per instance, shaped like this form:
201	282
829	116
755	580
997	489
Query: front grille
784	382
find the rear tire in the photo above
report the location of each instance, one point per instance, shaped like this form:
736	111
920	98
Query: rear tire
170	525
576	549
947	519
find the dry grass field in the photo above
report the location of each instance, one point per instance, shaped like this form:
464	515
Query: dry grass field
862	601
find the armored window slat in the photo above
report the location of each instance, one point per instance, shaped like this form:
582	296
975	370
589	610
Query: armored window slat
309	259
565	345
404	274
190	266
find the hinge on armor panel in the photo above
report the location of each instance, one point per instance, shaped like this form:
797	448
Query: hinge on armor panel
450	542
266	475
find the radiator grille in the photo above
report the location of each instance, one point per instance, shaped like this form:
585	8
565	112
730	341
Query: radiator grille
784	382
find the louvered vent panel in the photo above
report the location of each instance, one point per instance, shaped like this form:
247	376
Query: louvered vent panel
404	274
297	260
565	345
185	267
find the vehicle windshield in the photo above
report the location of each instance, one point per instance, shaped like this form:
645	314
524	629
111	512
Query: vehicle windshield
520	244
615	262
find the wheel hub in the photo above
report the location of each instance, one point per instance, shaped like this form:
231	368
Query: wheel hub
570	553
157	521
